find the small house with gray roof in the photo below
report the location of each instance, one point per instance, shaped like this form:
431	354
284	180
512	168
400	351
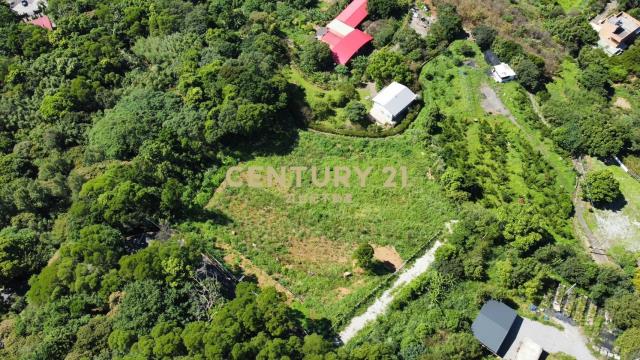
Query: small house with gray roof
496	327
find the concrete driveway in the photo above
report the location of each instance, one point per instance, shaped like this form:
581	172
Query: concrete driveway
569	341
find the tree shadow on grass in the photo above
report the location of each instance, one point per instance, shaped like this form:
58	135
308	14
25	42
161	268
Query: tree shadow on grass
278	137
615	206
382	267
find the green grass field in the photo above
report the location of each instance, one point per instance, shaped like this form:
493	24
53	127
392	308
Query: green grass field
565	173
566	81
568	5
308	247
317	98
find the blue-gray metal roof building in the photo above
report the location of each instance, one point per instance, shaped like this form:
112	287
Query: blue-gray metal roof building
496	323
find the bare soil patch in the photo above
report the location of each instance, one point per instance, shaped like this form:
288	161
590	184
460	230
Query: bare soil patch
342	292
388	254
491	103
617	226
622	103
264	279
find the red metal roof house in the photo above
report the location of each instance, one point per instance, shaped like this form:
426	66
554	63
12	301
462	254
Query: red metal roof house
355	13
43	21
343	38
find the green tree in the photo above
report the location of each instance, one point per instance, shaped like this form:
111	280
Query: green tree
530	75
137	117
624	310
574	32
448	27
386	66
484	35
595	77
92	338
364	256
356	113
506	50
315	56
21	253
458	346
382	9
601	187
629	344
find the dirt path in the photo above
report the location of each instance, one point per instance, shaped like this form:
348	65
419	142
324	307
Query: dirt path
537	110
492	104
249	268
593	244
382	303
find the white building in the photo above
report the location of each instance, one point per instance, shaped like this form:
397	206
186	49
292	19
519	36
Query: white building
503	73
391	103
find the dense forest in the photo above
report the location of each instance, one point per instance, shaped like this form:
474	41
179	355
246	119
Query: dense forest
115	125
117	128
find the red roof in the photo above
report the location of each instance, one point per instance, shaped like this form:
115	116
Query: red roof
43	21
331	39
349	46
354	14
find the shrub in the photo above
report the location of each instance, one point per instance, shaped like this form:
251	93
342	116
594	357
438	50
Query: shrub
364	257
601	187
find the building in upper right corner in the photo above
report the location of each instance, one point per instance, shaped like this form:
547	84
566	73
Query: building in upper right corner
617	32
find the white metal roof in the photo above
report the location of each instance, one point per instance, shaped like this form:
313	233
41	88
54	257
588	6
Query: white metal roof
395	98
504	70
340	28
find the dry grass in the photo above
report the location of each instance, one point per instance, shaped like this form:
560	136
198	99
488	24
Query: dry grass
622	103
517	22
316	252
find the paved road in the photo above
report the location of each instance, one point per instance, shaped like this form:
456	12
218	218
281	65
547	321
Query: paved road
382	303
569	341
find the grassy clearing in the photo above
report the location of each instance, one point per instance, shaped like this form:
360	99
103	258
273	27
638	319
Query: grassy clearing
307	247
327	104
566	81
620	227
568	5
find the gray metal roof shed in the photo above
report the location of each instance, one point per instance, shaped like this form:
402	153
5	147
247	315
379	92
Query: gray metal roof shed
494	324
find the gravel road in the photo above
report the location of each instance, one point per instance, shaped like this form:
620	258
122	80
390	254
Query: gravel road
569	341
